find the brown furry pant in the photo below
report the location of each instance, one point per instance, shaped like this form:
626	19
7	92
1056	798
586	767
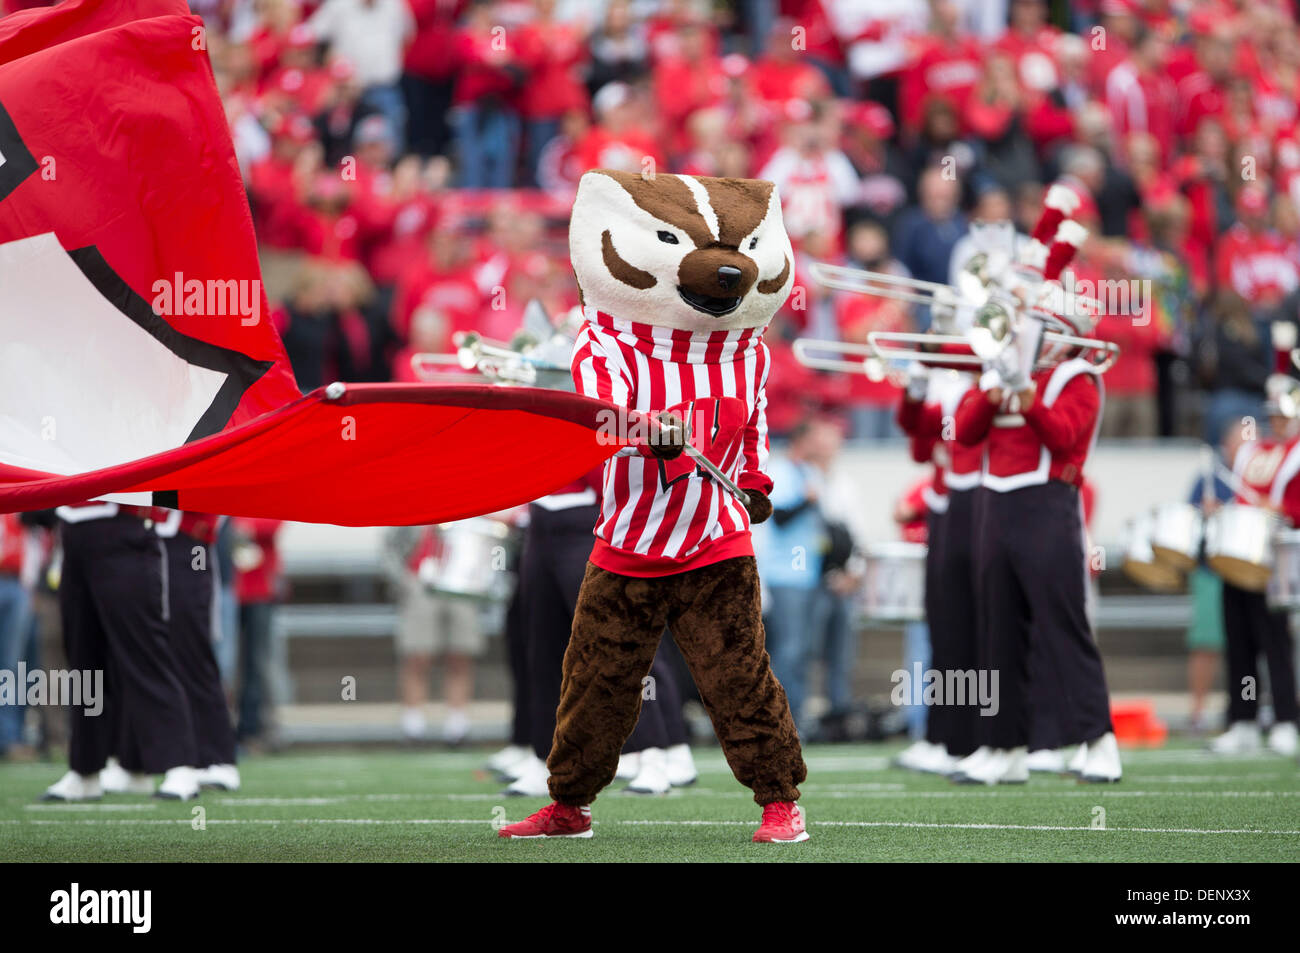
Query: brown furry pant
714	615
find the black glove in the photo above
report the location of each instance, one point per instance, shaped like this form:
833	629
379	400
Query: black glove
669	440
759	506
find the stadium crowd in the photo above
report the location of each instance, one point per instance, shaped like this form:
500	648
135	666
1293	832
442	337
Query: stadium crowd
411	163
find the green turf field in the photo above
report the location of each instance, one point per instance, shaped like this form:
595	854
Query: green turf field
1174	804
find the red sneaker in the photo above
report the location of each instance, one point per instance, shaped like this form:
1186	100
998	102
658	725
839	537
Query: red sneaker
554	820
782	824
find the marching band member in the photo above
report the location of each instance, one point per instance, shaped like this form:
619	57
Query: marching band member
915	416
115	610
556	544
188	539
911	515
926	413
189	584
1030	556
1268	467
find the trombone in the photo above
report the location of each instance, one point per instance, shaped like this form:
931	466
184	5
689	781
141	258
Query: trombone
993	328
895	287
512	363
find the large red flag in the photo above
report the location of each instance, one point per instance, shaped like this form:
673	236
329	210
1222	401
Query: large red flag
137	359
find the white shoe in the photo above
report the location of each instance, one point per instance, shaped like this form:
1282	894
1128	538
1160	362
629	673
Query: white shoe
914	755
1102	764
936	761
504	759
1046	760
1242	737
456	727
1282	739
115	779
1078	760
652	778
629	765
681	766
74	787
179	784
414	724
970	763
944	764
224	777
1000	766
532	779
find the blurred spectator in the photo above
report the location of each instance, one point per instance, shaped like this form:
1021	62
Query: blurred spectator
620	51
790	548
486	111
946	66
18	556
372	36
429	74
259	588
1139	93
431	625
815	178
1235	360
620	140
911	516
872	397
995	116
1251	257
1206	641
554	55
924	236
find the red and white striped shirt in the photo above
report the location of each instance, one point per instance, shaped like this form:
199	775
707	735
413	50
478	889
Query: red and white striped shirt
663	517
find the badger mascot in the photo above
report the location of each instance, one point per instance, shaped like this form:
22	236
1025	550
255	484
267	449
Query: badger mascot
678	277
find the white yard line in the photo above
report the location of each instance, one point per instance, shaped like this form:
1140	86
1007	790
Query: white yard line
363	821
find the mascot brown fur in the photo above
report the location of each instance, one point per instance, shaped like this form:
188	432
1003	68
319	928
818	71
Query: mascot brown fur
679	276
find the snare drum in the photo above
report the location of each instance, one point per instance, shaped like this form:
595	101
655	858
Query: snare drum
1140	563
893	584
1284	586
471	561
1176	530
1239	545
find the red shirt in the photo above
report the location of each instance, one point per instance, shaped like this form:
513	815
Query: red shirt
1284	488
1049	441
12	544
257	562
1034	55
776	81
1142	102
916	530
936	420
946	68
601	149
1198	98
435	33
453	293
483	69
553	54
1256	265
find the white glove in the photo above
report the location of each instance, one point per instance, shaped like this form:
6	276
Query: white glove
943	311
918	381
1016	363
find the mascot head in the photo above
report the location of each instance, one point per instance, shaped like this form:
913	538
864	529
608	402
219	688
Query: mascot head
680	251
